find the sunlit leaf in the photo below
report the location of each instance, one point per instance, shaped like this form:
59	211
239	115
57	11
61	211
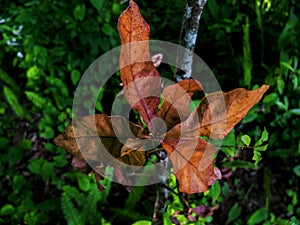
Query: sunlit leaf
246	139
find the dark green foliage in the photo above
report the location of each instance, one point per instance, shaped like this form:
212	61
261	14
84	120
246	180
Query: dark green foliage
47	45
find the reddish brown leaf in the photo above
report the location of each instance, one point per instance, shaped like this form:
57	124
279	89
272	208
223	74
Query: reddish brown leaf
111	131
192	162
141	81
219	112
175	107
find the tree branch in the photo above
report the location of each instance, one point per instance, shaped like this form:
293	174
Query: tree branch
188	37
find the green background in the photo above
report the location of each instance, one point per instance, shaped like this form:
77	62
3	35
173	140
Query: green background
46	46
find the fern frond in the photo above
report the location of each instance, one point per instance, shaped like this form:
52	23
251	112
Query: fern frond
134	197
90	211
70	212
73	193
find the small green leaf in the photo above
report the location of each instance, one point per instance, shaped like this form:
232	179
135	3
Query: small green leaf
215	190
36	99
75	76
142	222
257	157
48	133
296	170
270	99
280	85
295	111
261	148
234	213
25	144
97	4
60	161
84	182
264	137
246	140
12	99
35	167
79	12
228	144
8	79
281	105
7	209
258	216
239	164
47	170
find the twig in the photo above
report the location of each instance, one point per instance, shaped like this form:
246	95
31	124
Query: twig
188	37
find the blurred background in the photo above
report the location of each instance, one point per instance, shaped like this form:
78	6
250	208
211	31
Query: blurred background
46	45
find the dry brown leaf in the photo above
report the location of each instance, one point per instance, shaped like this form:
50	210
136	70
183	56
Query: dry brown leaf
141	81
219	112
111	131
177	97
192	162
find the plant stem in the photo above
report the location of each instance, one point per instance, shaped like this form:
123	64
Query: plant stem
188	37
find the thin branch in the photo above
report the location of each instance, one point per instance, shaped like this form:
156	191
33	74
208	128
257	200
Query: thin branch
188	37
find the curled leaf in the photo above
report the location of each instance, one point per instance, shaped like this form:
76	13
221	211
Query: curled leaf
177	97
219	112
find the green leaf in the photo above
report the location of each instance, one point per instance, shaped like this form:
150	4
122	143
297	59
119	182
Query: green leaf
246	140
36	99
271	99
7	79
280	85
258	216
47	170
215	190
296	170
264	137
12	99
257	157
247	56
281	105
48	133
79	12
84	182
25	144
261	148
228	144
234	213
142	222
60	161
295	111
7	209
97	4
239	164
75	76
35	166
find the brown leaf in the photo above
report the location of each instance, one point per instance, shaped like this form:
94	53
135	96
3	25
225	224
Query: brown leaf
192	162
112	131
141	81
175	107
215	116
219	112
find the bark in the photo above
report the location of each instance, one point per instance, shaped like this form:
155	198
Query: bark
188	37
